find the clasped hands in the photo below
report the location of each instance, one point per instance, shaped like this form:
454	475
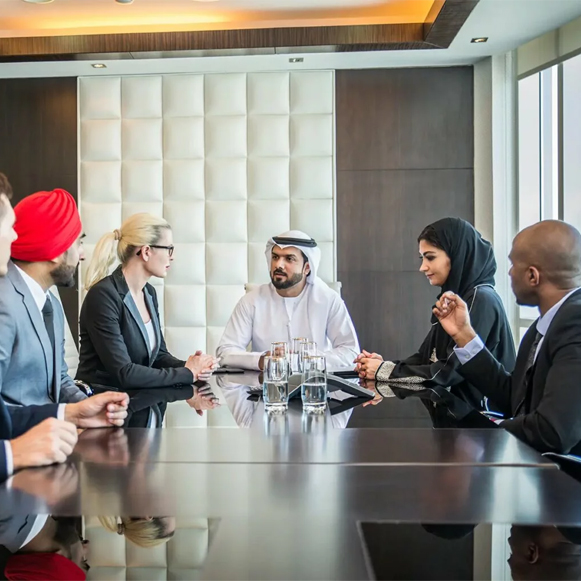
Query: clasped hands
202	365
367	364
452	313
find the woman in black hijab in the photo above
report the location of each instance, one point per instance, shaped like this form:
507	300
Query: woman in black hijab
456	258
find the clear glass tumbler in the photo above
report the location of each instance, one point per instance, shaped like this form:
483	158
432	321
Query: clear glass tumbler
314	386
275	384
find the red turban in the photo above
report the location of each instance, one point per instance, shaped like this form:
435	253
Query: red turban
47	224
42	566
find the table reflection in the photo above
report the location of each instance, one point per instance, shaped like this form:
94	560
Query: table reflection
39	546
471	551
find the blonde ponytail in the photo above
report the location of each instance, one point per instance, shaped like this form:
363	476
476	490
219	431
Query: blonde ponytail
141	532
103	258
138	230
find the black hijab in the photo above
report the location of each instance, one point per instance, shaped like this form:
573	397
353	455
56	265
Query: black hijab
471	257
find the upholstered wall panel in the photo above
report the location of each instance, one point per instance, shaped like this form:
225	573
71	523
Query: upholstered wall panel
229	160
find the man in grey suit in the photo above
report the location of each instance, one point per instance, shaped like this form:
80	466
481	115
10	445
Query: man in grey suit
41	435
46	253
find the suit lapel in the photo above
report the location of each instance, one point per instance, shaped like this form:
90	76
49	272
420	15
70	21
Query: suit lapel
35	319
156	324
134	311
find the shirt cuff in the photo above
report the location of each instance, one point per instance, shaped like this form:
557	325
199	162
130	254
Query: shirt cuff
469	351
9	459
60	415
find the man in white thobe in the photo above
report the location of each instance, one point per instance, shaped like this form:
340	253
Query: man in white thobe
296	303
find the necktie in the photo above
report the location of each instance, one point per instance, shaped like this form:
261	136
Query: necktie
48	317
528	376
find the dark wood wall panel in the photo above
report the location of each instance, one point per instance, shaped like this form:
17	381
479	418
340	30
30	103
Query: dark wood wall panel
405	159
38	145
405	119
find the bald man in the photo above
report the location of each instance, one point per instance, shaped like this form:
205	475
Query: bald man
542	397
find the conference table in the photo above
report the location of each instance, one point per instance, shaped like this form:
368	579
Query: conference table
413	484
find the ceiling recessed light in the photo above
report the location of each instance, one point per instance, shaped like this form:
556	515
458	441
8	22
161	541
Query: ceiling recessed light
99	66
480	39
39	1
124	1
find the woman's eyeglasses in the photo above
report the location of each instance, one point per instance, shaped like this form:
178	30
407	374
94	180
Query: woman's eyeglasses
169	248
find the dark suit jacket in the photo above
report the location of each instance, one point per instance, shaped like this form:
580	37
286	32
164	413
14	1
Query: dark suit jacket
550	415
14	421
114	348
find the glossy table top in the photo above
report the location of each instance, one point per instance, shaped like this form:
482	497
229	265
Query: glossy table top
313	497
329	446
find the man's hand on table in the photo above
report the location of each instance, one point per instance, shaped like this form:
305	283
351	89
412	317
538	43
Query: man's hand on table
50	442
261	360
99	411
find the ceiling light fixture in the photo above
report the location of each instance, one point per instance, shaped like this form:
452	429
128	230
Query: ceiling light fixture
39	1
479	39
99	66
124	1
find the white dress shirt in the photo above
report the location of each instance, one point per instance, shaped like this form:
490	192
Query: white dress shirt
471	349
37	292
39	296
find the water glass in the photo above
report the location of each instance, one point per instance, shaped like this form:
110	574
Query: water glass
279	349
275	384
314	386
306	349
295	350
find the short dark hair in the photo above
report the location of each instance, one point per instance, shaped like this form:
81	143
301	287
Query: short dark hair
5	187
430	236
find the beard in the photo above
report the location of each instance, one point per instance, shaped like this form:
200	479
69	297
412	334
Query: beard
63	275
287	282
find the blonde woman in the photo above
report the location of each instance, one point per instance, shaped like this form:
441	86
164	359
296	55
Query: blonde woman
121	342
144	532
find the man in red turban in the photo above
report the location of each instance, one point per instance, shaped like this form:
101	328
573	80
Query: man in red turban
42	435
46	252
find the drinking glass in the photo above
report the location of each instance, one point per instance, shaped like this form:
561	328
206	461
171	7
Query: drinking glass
275	384
295	350
314	386
279	349
306	349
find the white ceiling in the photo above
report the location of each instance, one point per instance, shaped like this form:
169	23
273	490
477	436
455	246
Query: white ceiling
511	23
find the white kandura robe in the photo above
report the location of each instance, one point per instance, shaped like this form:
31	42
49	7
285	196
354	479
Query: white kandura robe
261	318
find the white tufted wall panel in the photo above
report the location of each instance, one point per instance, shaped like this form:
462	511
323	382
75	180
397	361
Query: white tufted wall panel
228	160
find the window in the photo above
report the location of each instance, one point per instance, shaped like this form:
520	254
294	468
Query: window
549	162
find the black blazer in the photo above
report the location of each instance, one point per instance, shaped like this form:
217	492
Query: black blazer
14	421
550	412
114	345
